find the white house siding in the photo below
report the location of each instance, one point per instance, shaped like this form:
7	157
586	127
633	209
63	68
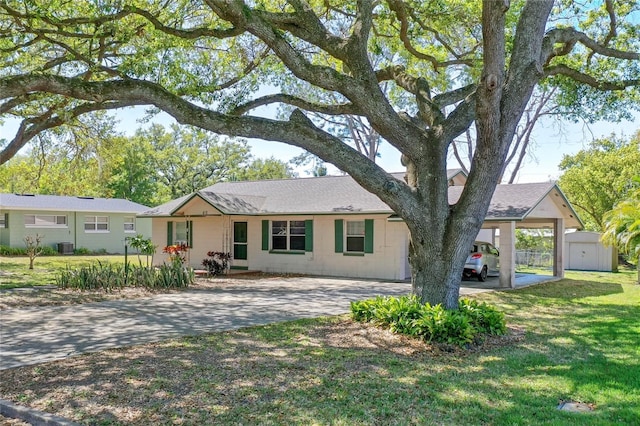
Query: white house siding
386	261
215	233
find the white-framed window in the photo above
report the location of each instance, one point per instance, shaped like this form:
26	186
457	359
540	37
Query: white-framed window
4	220
182	233
129	224
45	221
96	224
288	235
355	236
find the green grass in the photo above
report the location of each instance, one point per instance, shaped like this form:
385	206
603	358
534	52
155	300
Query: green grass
581	343
15	272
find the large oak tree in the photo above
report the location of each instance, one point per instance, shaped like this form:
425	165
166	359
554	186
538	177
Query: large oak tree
443	65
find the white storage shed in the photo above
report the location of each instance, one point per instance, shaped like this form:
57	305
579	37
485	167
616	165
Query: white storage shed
585	252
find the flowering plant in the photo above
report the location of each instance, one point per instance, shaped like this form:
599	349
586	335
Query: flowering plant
177	252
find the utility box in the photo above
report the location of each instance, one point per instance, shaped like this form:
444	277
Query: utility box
65	248
585	252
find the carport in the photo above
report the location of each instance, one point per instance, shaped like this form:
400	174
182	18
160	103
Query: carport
533	206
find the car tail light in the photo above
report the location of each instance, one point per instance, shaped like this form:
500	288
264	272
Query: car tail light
476	255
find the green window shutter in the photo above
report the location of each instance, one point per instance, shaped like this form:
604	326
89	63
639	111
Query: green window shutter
169	233
6	220
339	228
308	235
190	233
265	235
368	235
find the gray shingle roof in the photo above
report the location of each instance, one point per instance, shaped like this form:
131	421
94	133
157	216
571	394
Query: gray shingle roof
340	194
512	201
64	203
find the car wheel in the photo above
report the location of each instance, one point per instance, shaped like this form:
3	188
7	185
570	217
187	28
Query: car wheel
482	276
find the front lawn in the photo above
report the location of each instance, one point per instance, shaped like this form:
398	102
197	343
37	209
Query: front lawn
576	339
15	272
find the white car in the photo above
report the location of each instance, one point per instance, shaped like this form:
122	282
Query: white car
482	261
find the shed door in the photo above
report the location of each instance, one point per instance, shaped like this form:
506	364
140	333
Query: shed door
584	256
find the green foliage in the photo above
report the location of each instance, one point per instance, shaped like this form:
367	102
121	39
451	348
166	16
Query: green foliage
150	168
13	251
622	226
597	178
407	315
81	251
114	276
143	246
22	251
533	239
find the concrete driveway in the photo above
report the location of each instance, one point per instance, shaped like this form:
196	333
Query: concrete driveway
43	334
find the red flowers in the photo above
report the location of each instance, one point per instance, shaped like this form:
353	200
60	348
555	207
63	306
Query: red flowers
177	252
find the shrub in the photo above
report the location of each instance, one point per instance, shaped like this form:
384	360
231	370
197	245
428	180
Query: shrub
49	251
484	318
12	251
216	262
407	315
109	277
82	251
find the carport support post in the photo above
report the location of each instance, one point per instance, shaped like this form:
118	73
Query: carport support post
508	254
558	248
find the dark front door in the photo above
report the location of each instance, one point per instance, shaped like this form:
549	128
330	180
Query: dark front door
239	240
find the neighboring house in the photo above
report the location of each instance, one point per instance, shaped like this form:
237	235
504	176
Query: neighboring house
330	225
586	252
71	222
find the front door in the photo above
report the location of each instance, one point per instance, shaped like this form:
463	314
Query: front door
240	245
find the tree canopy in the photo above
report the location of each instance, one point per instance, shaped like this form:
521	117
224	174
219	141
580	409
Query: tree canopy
595	179
151	167
622	225
419	72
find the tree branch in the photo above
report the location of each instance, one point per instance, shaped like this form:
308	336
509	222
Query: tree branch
401	12
297	102
562	69
298	131
30	128
570	36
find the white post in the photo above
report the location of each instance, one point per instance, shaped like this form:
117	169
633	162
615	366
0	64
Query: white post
508	254
558	248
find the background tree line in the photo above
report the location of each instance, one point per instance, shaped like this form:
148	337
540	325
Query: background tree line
151	167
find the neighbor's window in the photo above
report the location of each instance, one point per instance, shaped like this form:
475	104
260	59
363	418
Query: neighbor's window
4	220
96	224
355	236
288	235
44	221
129	224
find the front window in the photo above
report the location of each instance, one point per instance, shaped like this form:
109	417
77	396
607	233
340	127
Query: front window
96	224
288	235
355	236
44	221
181	233
129	224
4	220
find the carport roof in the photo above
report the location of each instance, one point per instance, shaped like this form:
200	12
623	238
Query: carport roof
342	195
